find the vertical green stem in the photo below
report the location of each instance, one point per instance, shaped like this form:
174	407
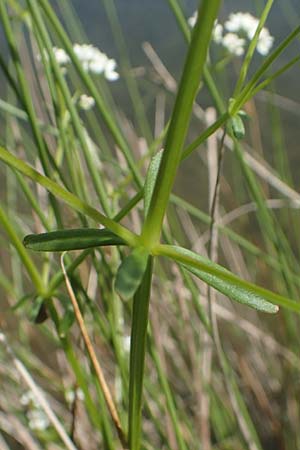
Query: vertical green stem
187	91
137	356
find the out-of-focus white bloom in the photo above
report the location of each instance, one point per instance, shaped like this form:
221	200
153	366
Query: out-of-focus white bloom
85	52
234	44
217	33
28	398
246	24
126	343
265	42
91	58
240	27
98	64
37	420
70	395
192	19
2	337
61	56
109	71
95	61
241	22
85	102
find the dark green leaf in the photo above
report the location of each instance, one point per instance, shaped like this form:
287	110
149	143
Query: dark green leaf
130	273
75	239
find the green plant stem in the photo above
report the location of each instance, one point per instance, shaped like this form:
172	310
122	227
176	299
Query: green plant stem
187	92
137	356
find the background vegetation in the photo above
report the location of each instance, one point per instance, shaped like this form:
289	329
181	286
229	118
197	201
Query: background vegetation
218	374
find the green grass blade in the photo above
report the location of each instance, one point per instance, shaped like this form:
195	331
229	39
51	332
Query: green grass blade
24	257
251	49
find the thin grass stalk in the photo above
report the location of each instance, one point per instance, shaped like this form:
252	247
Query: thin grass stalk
43	151
88	82
169	398
131	83
78	127
251	49
24	256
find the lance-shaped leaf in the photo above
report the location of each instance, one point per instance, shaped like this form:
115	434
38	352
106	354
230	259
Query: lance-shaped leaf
130	273
227	283
150	179
76	239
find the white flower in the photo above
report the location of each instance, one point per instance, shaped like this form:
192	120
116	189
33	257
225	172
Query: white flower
234	44
37	420
28	398
70	395
240	27
85	102
126	343
192	20
109	71
98	63
61	56
246	24
265	42
217	33
95	61
241	22
84	52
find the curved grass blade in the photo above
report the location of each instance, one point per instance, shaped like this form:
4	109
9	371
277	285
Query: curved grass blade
131	272
226	282
76	239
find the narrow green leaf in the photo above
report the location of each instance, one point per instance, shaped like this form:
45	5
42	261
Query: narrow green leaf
76	239
226	282
130	273
150	179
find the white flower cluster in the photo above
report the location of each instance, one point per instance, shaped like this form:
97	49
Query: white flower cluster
86	102
37	419
91	58
94	61
237	29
